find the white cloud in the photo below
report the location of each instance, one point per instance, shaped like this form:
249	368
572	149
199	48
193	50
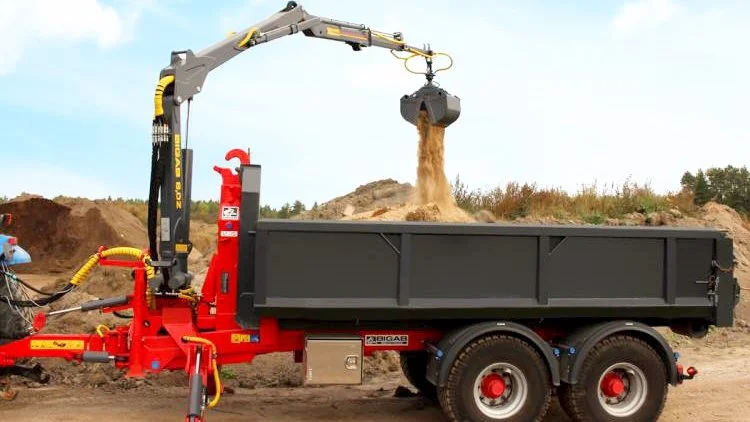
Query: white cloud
31	26
644	14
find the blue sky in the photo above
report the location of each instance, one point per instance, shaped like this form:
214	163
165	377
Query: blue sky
557	93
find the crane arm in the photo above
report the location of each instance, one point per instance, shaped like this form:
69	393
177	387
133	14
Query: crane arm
171	164
190	69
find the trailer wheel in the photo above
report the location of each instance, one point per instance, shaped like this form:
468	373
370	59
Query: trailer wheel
623	378
414	366
496	378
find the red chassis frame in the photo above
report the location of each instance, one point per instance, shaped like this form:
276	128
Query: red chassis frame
158	336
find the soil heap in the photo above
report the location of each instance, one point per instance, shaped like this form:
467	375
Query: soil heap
725	218
61	235
372	196
388	200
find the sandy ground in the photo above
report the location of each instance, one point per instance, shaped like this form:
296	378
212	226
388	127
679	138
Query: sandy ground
717	394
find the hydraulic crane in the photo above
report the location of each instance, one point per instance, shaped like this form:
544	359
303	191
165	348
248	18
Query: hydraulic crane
171	169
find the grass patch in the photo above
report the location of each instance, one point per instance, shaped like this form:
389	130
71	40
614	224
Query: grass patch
591	203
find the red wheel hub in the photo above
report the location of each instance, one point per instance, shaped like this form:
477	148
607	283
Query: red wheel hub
612	385
493	386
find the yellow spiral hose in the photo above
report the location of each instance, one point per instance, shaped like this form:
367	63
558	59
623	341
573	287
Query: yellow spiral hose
84	271
159	95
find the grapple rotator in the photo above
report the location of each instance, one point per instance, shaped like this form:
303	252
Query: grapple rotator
442	108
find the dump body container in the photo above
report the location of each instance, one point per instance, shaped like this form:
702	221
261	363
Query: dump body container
387	271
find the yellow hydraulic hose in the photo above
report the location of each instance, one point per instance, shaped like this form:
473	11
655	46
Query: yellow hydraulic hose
189	298
244	41
102	329
159	95
416	53
150	299
82	273
214	354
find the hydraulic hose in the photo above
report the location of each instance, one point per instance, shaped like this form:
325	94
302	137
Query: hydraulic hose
102	330
153	199
160	149
40	302
214	366
246	39
18	279
83	273
159	95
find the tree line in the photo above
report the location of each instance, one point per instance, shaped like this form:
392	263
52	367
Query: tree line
729	185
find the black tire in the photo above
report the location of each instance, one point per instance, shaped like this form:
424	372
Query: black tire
12	326
457	397
414	366
581	401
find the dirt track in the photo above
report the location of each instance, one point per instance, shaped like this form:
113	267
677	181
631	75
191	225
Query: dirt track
718	394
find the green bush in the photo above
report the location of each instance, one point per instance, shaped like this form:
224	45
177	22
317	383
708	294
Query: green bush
590	203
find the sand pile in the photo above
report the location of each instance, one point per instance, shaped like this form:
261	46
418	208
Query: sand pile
430	212
375	195
389	200
431	201
723	217
60	236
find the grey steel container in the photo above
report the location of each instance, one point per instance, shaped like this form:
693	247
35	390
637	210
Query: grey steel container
382	271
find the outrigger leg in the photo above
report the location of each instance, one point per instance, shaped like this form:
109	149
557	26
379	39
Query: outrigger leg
201	367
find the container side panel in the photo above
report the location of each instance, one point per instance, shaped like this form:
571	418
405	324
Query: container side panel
330	265
473	267
694	258
594	267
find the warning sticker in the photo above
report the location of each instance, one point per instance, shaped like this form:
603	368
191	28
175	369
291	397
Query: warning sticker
56	345
240	338
386	340
228	233
230	213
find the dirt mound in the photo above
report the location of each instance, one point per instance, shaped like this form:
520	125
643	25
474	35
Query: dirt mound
432	200
61	235
723	217
372	196
410	212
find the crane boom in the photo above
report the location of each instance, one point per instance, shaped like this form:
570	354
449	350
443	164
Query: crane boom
171	164
190	70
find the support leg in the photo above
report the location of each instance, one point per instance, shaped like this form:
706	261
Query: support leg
198	385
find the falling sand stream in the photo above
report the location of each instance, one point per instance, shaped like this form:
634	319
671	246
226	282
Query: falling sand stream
432	185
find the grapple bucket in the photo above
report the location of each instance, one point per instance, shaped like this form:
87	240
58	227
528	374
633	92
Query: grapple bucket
442	107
